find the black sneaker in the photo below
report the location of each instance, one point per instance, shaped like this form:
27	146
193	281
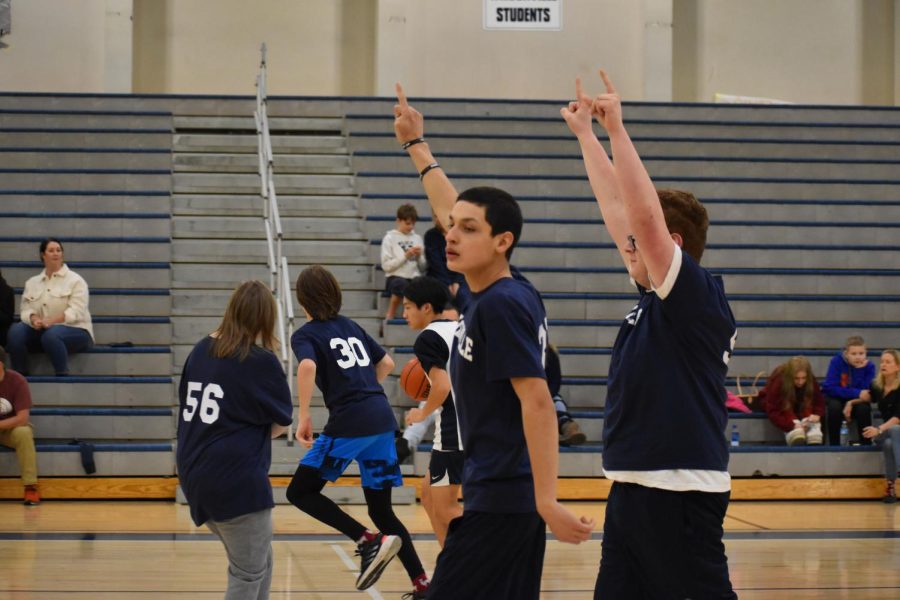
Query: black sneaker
403	451
414	595
374	557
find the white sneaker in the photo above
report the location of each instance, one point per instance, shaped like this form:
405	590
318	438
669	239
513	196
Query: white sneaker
796	437
814	434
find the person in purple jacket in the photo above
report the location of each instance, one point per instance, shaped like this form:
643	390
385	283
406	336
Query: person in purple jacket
846	388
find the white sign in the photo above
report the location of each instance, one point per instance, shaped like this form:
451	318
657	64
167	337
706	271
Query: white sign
526	15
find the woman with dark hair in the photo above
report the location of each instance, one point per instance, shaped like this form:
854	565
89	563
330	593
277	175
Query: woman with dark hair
54	314
794	402
7	308
233	398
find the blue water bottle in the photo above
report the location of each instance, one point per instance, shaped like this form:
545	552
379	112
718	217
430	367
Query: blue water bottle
735	436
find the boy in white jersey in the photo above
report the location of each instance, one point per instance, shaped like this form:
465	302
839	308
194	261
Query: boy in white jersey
424	301
663	435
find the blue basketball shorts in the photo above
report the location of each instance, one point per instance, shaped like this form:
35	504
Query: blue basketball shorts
375	454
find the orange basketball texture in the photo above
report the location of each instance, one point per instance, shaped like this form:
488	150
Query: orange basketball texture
413	380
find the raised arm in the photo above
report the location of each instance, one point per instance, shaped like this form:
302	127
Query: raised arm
642	208
409	126
600	171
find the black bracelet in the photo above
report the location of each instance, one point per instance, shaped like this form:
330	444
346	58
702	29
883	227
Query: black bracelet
418	140
424	171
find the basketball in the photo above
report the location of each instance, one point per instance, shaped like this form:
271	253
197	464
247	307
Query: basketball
413	380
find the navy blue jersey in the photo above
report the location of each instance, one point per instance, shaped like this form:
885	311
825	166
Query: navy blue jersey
226	411
501	335
345	357
432	348
665	403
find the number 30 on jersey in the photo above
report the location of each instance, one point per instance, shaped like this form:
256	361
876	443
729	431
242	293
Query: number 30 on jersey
353	353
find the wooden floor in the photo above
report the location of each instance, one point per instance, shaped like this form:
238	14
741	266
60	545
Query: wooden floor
151	550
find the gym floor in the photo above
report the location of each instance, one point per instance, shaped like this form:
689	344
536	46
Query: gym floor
151	550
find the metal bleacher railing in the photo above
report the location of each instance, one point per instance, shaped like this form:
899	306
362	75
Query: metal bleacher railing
279	275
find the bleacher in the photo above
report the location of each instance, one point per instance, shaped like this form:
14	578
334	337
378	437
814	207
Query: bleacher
804	209
156	201
98	179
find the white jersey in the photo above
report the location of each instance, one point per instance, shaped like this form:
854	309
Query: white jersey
446	427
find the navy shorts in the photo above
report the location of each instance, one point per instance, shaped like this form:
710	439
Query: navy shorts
489	556
446	467
663	545
396	285
375	454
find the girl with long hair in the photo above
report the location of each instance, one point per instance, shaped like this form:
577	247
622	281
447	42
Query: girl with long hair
233	399
794	403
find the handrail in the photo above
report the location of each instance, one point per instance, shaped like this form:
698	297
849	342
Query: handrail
279	274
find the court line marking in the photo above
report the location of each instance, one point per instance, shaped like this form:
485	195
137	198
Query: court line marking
346	560
218	593
764	533
746	522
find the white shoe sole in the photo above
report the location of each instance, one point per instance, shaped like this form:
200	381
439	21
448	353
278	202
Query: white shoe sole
390	546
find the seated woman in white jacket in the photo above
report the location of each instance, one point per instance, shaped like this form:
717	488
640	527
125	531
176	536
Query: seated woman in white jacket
54	314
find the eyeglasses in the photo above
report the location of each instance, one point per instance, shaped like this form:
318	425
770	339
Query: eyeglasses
632	243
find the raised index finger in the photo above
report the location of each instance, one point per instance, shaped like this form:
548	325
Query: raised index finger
401	97
579	93
610	88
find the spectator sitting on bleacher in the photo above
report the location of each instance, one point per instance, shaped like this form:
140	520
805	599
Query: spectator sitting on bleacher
7	308
402	256
436	257
794	402
54	314
886	393
15	428
570	433
846	388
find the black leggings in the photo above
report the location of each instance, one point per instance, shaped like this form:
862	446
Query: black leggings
305	492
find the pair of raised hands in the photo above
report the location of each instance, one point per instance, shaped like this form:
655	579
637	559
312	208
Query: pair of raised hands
607	108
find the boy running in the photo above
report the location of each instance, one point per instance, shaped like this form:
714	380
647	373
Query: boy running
347	365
